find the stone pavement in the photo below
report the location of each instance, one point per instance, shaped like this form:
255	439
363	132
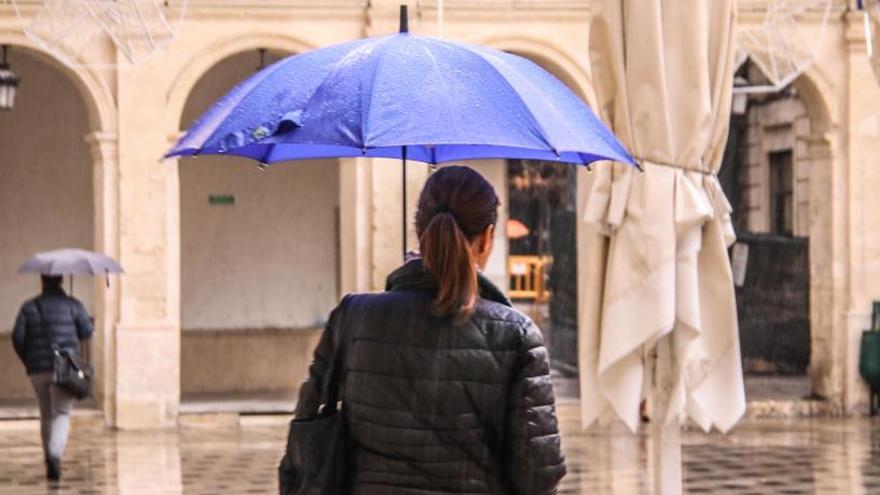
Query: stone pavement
225	454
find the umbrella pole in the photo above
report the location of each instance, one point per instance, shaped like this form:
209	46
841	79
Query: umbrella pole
665	432
404	28
403	156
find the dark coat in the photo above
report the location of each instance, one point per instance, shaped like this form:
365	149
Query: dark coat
66	321
434	407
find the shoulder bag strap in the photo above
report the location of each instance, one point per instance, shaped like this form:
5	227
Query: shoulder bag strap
84	347
330	394
46	328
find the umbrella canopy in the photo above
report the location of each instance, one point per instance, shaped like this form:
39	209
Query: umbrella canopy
659	272
70	262
402	96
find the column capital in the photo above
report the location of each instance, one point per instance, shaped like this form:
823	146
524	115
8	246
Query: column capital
101	138
103	145
854	33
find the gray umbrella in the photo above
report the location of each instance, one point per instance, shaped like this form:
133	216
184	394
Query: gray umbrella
70	262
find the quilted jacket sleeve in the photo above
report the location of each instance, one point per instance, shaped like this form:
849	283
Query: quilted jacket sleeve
84	327
19	334
534	463
310	391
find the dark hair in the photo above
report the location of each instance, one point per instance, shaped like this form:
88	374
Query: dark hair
456	205
51	280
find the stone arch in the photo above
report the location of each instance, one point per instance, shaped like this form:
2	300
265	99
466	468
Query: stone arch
259	203
553	60
99	100
98	123
817	95
212	54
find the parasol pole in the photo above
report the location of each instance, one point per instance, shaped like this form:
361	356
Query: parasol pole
665	432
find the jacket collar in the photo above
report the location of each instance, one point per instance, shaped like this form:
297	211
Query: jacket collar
53	291
413	276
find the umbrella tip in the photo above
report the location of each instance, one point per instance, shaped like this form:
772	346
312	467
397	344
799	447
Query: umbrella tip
404	19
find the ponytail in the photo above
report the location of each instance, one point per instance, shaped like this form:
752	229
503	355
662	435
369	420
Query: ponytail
456	205
447	257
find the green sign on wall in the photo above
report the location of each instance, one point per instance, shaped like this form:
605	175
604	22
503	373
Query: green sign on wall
221	199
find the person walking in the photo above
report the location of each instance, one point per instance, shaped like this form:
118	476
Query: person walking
445	386
53	320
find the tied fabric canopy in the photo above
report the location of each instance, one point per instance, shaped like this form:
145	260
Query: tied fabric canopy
657	263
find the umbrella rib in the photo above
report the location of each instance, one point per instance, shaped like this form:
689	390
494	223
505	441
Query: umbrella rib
365	113
335	70
548	104
445	86
543	133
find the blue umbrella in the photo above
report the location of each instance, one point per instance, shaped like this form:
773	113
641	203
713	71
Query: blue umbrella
402	96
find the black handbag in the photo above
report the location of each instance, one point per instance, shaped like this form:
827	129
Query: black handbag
69	371
316	461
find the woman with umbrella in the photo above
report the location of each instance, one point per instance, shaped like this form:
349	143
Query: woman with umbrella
446	387
52	325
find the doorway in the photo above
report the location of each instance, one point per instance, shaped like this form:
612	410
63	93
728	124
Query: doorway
542	258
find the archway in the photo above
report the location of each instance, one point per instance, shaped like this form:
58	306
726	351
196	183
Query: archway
47	192
259	262
778	174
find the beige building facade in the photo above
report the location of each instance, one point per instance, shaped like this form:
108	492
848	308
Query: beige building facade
231	271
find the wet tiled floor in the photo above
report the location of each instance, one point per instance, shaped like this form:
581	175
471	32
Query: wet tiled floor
766	456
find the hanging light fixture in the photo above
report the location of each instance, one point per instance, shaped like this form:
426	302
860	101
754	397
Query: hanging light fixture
8	84
740	102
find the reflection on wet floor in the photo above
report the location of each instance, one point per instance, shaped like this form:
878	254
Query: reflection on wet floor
767	456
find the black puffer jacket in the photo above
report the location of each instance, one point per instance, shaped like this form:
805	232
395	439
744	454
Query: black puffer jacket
67	322
434	408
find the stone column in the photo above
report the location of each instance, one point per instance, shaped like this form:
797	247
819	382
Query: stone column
105	160
387	221
148	332
825	278
355	225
